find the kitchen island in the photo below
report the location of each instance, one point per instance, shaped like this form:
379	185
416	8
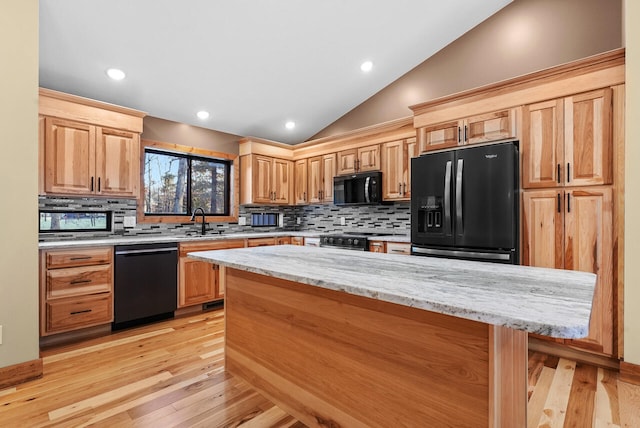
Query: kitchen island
345	339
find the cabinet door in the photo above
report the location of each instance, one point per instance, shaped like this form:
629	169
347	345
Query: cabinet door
588	247
197	282
69	157
393	170
368	158
282	181
542	144
412	152
543	228
488	127
328	172
440	136
300	182
587	138
347	161
262	171
117	162
376	246
315	179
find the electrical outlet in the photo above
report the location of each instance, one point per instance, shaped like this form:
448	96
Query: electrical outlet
298	220
280	220
343	221
242	221
129	221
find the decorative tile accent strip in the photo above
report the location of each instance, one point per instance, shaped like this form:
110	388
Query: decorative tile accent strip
324	218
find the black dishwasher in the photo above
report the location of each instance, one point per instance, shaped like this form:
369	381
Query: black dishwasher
145	283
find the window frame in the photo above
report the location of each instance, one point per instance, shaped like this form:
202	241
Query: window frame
234	190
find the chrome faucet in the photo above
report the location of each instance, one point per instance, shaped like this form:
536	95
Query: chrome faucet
193	217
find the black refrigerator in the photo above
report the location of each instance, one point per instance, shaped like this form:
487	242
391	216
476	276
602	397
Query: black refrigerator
464	203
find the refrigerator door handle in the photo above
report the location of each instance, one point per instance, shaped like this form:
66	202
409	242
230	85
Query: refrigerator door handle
447	196
459	176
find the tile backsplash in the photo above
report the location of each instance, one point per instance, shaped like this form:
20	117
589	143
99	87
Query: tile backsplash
324	218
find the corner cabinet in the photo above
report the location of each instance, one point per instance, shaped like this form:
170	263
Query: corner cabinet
572	229
266	180
84	149
476	129
396	169
199	282
76	289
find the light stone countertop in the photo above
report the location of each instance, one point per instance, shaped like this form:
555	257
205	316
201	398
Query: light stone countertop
550	302
153	239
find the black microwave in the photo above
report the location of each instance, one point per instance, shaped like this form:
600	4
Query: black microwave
358	189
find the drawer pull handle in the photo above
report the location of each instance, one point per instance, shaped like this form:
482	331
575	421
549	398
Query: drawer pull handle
81	312
80	258
80	281
397	251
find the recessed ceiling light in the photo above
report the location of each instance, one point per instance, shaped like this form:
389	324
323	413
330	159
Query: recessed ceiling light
116	74
290	124
366	66
203	114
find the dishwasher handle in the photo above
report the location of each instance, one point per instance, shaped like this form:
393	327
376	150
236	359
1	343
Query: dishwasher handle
146	251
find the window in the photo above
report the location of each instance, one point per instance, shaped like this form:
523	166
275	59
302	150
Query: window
176	184
75	221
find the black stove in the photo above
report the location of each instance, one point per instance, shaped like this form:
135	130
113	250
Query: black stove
349	240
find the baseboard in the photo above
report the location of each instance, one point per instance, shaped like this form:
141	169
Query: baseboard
20	373
564	351
630	373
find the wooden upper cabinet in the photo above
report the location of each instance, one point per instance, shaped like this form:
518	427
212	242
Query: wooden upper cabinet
440	136
542	144
70	157
322	169
266	180
396	168
360	159
476	129
300	182
117	168
567	142
587	138
282	183
90	160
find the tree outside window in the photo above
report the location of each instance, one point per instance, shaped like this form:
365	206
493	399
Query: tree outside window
177	184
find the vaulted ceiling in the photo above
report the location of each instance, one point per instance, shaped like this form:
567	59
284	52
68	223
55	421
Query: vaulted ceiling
252	64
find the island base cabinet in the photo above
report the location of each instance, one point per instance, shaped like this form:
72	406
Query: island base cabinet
334	359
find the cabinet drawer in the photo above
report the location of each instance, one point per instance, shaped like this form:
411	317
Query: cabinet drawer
79	280
260	242
79	257
398	248
210	245
68	314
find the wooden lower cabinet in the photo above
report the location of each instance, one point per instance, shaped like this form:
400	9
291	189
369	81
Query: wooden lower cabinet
283	240
199	282
572	228
76	289
261	242
297	240
377	246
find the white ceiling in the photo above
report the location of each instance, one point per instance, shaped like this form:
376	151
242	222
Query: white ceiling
253	64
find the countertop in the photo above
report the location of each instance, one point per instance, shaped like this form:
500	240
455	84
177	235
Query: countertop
153	239
550	302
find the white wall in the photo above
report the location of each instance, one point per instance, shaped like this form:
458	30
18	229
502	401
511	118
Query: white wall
18	178
632	183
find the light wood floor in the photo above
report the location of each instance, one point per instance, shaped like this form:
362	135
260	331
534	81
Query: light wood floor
172	374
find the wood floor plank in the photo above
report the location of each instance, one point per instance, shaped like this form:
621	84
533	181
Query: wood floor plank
580	408
555	407
607	409
90	383
539	396
629	396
